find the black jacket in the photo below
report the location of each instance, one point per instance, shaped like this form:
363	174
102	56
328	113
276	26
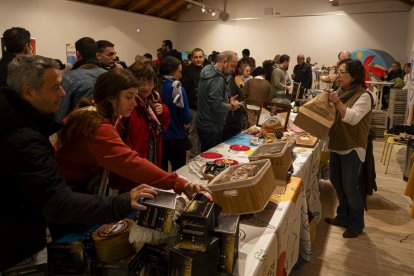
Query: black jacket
175	53
303	74
32	191
190	80
4	62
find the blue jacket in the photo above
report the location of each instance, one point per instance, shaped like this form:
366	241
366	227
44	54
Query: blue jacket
178	116
77	84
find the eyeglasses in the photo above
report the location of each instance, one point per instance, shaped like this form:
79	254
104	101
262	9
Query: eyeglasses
111	54
341	73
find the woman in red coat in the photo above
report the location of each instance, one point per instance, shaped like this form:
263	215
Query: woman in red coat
89	141
143	130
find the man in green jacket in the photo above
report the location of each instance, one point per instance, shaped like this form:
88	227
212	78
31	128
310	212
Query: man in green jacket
213	100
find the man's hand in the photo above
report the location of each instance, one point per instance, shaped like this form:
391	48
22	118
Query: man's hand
235	104
141	191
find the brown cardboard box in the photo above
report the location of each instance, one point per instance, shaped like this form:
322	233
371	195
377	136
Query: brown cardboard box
312	126
317	116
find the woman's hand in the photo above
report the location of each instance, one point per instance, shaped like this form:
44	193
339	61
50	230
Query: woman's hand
191	188
141	191
158	108
333	97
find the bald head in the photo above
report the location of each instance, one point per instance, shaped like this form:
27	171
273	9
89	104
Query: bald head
300	58
344	55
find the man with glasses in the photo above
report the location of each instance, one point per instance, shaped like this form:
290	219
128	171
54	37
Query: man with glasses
106	54
16	42
79	82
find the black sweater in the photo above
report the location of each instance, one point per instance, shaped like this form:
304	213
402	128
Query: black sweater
32	191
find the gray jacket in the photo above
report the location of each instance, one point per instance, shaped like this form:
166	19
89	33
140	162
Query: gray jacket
213	99
278	81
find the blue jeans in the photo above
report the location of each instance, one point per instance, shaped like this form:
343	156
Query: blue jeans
344	176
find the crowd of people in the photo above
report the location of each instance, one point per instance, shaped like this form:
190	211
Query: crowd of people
125	127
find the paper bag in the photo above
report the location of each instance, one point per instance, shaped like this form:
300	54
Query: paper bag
317	116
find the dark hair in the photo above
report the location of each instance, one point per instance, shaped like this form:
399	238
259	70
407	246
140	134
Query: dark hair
108	87
61	65
246	52
15	39
143	71
86	46
258	71
168	65
197	50
355	68
397	63
84	121
102	45
268	67
148	56
168	43
284	58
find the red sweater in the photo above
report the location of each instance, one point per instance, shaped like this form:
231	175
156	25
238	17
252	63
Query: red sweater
79	161
138	135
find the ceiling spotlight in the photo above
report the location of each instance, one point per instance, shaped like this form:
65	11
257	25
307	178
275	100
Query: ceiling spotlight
203	10
213	13
334	3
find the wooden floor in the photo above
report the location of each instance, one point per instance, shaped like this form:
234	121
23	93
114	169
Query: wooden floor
383	248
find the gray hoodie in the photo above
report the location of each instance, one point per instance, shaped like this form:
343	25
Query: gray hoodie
212	99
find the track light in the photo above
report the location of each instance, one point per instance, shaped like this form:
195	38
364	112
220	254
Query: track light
204	9
333	3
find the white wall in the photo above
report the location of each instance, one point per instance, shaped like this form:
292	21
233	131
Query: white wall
56	22
309	27
410	36
321	37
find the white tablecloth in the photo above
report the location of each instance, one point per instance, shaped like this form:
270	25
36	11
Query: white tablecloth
270	241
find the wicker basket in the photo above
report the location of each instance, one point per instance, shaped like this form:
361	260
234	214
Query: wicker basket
245	196
280	155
